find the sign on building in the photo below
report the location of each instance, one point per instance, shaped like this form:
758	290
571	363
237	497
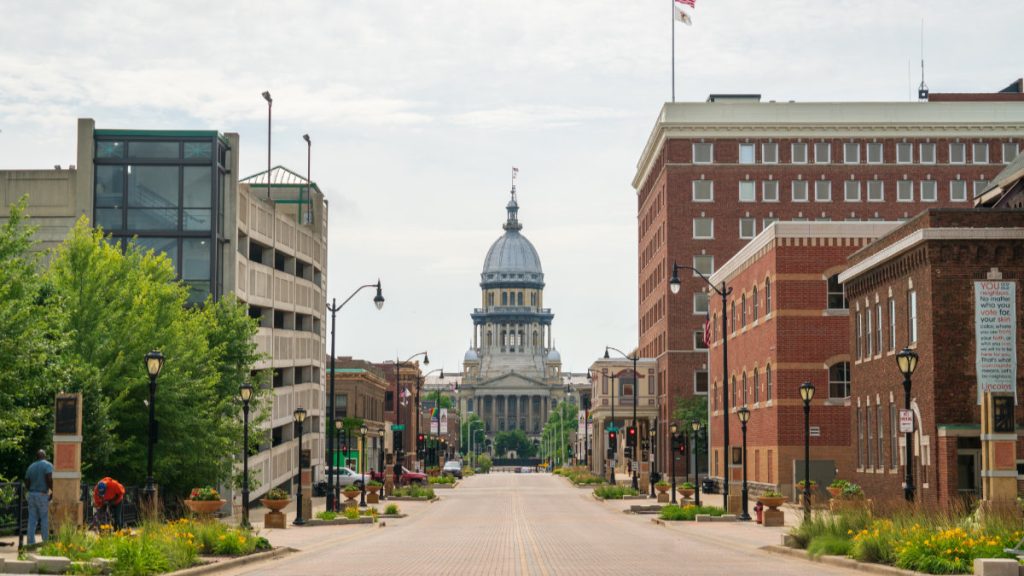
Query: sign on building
444	420
906	421
995	337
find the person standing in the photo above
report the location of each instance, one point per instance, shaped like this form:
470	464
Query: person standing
39	481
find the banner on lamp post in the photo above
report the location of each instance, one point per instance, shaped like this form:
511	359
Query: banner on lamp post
995	337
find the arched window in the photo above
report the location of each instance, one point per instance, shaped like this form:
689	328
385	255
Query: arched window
520	298
768	382
504	298
744	388
757	386
714	396
839	380
535	337
733	316
767	296
836	295
490	298
734	390
743	310
753	299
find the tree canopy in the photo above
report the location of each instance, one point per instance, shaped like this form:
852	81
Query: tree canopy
513	440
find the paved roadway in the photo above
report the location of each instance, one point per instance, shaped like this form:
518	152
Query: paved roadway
531	524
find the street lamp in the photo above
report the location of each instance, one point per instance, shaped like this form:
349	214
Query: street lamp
653	433
333	308
437	412
270	106
724	292
362	466
675	440
299	416
906	359
399	449
380	447
631	438
335	490
245	393
696	426
807	394
154	364
744	416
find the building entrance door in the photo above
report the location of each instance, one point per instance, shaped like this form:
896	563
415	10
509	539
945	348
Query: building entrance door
968	474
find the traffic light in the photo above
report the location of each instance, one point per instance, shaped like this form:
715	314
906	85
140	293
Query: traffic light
682	448
628	452
631	435
419	442
612	444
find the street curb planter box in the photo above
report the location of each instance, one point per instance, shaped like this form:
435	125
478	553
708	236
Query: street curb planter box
635	509
339	521
411	499
392	516
710	518
19	567
50	564
220	563
205	506
842	561
443	486
275	505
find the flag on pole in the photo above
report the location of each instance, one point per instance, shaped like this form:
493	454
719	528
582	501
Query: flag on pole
515	173
406	393
707	330
684	11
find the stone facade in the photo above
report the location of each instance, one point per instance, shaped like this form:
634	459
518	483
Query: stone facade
611	402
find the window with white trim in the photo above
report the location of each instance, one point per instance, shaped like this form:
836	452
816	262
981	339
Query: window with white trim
1010	151
929	191
912	316
904	153
757	386
904	191
745	388
926	153
836	298
870	424
748	228
878	328
880	422
770	153
768	382
700	382
892	324
770	191
822	152
876	191
979	187
822	190
859	337
698	340
798	153
754	302
767	296
746	153
748	191
703	228
869	341
894	425
704	263
703	153
700	302
958	191
851	190
979	153
957	153
860	439
766	222
839	380
851	153
703	191
875	153
799	190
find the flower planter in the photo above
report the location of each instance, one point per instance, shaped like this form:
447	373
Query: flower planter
275	505
772	501
204	506
835	492
685	492
662	489
350	494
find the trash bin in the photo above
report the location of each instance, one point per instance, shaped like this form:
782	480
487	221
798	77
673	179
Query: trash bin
707	486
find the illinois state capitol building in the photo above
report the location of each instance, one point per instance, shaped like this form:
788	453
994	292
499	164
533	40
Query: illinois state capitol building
512	373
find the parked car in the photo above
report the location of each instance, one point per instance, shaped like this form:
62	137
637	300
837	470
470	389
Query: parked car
526	469
452	467
349	477
408	476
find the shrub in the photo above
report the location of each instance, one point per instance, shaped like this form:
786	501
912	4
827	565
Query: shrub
205	493
688	513
614	492
326	515
391	509
771	494
351	512
686	485
277	494
830	545
414	491
441	479
483	462
467	471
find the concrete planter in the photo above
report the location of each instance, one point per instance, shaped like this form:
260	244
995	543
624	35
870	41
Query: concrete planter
204	506
275	505
339	521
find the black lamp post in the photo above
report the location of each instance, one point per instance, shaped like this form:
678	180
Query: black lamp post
400	449
906	359
245	393
154	364
332	486
807	394
724	292
653	435
362	466
675	440
697	427
299	416
744	415
437	413
380	449
270	106
335	490
635	436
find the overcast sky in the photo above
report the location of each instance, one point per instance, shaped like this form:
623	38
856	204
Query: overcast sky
419	109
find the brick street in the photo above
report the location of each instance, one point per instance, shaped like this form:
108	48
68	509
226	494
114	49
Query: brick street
529	524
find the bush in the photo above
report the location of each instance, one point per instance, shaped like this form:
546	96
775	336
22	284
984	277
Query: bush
614	492
351	512
207	493
689	513
277	494
326	515
391	509
441	480
467	471
414	491
829	545
483	462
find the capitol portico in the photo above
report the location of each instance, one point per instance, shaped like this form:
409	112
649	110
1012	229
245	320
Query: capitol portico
512	373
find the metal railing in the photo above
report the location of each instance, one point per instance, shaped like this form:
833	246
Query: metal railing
13	510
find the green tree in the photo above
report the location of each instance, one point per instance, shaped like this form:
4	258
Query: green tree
558	430
505	442
467	426
690	409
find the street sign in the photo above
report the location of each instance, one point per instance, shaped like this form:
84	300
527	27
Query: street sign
611	428
815	431
398	427
636	466
906	421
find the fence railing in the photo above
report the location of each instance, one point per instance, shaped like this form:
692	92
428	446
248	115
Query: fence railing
13	509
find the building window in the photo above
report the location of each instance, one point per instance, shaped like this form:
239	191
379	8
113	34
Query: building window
743	310
859	343
748	191
768	382
892	324
871	436
748	228
851	191
927	153
878	328
734	391
745	389
798	152
746	153
851	153
714	398
904	191
860	439
876	191
770	190
698	340
700	303
904	153
881	435
912	316
704	264
753	300
340	406
799	189
894	458
1010	151
504	298
703	153
822	191
839	380
929	192
979	153
703	228
733	324
957	153
979	187
766	222
757	386
958	191
870	341
703	191
875	153
769	153
822	152
700	382
767	296
836	297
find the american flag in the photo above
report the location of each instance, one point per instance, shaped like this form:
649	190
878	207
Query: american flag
684	10
515	172
707	330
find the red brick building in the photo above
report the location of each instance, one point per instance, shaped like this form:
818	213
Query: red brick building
409	379
713	175
788	324
916	288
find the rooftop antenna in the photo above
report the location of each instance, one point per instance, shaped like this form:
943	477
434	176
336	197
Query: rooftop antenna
922	90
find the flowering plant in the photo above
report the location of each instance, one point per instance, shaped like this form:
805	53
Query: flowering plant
277	494
204	493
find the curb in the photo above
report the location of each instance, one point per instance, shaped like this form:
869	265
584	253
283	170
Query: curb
234	562
841	561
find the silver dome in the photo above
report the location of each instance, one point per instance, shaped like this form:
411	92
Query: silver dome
512	254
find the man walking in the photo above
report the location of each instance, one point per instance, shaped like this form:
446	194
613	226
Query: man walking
39	480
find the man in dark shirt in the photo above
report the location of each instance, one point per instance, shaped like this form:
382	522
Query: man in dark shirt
39	480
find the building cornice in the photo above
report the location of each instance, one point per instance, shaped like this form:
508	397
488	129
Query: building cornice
925	235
